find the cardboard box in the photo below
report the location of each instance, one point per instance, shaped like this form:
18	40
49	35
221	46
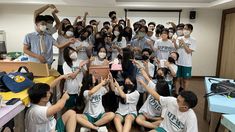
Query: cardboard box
38	69
99	71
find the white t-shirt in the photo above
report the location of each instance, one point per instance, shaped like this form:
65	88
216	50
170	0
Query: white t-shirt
151	69
151	107
73	86
174	120
97	61
169	77
131	102
121	44
61	40
94	105
36	119
164	49
185	59
82	53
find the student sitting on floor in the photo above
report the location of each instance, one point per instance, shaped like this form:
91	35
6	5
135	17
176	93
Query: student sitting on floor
129	97
150	113
40	116
94	114
177	112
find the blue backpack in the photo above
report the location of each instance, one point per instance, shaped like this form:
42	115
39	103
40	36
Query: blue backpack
16	82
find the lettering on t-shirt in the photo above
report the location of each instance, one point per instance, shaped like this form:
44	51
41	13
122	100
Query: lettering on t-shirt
166	48
154	103
74	68
175	122
187	44
95	98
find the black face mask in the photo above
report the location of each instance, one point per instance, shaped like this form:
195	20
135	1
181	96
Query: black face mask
113	17
145	57
129	86
159	77
83	38
171	60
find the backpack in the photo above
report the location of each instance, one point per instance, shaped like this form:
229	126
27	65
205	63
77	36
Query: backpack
16	82
222	88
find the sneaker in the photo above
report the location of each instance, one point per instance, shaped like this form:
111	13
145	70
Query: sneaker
102	129
84	129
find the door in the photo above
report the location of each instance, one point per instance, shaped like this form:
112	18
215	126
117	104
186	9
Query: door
227	51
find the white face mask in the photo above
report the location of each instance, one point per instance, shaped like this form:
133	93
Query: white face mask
49	25
42	27
69	33
170	34
116	33
141	34
102	55
74	56
179	32
186	32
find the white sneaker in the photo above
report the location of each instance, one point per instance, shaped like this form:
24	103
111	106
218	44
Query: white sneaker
84	129
102	129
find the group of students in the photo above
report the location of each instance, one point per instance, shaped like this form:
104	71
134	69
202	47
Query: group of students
150	57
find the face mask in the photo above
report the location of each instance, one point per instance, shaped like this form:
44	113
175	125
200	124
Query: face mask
170	34
129	86
74	56
159	77
116	33
42	27
49	25
141	34
122	26
102	55
83	38
69	33
186	32
171	60
145	57
179	32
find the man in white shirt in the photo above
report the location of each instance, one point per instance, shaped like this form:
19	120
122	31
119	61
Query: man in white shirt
177	112
40	116
185	46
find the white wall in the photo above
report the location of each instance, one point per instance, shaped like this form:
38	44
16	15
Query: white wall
17	21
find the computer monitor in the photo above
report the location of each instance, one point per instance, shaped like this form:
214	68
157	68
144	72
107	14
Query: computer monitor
3	49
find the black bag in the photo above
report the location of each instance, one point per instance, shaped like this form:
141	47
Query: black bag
27	74
3	87
222	88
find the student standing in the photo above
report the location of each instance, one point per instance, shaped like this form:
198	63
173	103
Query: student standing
39	45
186	45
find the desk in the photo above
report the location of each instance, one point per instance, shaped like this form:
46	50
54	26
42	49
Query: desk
228	121
217	105
23	95
9	112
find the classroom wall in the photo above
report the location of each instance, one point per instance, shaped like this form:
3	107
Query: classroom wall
17	21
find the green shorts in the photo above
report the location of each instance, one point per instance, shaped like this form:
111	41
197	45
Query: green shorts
123	116
92	119
184	72
60	127
71	102
160	129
